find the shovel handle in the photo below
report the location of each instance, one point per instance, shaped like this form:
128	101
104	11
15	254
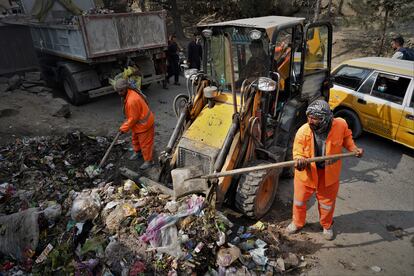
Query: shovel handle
109	150
275	165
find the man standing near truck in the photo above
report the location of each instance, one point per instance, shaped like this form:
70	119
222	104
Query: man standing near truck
321	135
139	119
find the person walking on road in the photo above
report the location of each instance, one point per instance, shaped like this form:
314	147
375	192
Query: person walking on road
173	60
139	119
195	52
321	135
397	44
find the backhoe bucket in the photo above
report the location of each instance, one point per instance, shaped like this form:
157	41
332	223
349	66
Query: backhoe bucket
184	185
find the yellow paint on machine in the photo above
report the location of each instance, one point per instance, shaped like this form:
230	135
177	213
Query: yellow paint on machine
212	125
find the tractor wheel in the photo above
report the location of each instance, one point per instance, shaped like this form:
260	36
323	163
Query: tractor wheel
256	191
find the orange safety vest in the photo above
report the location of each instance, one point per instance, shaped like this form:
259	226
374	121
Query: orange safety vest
139	117
339	136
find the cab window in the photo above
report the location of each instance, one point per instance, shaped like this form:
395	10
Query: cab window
316	56
390	87
412	99
350	77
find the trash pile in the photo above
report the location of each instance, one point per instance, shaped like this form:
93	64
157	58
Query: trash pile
58	220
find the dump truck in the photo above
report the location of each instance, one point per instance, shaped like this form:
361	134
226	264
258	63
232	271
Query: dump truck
244	107
81	46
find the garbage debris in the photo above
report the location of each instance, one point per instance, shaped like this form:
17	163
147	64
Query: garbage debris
86	206
71	223
19	232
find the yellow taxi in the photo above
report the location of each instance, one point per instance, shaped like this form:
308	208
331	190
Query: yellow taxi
376	95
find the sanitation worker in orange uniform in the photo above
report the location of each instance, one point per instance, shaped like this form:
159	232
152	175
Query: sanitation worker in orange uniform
322	135
139	119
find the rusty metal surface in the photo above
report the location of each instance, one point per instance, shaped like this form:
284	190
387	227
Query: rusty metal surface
108	34
16	49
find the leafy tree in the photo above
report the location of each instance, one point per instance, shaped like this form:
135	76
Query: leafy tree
377	16
249	8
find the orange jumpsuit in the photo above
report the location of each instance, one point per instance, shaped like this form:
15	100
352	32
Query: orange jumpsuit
325	182
140	120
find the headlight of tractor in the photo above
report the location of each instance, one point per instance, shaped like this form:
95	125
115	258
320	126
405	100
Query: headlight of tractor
188	73
266	84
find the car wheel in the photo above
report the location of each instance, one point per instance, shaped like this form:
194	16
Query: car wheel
351	118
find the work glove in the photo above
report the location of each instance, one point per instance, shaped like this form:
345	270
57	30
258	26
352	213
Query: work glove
301	163
359	152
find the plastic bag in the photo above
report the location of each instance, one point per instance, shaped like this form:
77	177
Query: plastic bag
85	206
152	234
170	243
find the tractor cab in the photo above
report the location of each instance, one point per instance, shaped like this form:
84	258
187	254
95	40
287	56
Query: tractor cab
244	107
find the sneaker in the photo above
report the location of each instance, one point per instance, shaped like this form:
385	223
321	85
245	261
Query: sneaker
328	234
292	228
135	155
146	165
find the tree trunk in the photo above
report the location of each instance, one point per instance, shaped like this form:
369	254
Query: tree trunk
141	4
384	30
178	27
340	6
330	8
317	10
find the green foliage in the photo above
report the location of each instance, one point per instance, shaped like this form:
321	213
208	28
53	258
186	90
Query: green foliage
250	8
370	14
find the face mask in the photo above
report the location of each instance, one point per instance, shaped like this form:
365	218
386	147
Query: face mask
382	88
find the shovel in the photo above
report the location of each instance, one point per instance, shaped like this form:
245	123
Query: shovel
185	184
93	171
109	150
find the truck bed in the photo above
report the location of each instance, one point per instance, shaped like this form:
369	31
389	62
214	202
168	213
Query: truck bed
101	35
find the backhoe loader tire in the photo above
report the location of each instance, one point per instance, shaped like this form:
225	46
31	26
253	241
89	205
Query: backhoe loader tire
256	191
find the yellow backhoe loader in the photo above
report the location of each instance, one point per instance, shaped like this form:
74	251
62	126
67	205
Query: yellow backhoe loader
239	110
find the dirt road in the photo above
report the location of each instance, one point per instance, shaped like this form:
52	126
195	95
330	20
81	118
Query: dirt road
374	216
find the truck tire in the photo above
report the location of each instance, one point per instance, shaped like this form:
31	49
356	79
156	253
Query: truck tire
146	86
256	191
352	119
71	91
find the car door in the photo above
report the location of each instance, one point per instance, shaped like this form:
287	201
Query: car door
405	132
346	81
381	109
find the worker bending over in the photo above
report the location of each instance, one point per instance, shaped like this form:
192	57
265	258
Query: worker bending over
322	135
139	119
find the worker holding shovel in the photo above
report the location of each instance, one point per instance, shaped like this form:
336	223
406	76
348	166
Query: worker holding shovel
139	119
321	135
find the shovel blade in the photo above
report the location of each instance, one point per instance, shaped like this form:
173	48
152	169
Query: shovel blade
182	186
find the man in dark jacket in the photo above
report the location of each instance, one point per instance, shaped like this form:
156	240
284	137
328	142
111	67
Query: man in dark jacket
173	60
195	52
397	44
